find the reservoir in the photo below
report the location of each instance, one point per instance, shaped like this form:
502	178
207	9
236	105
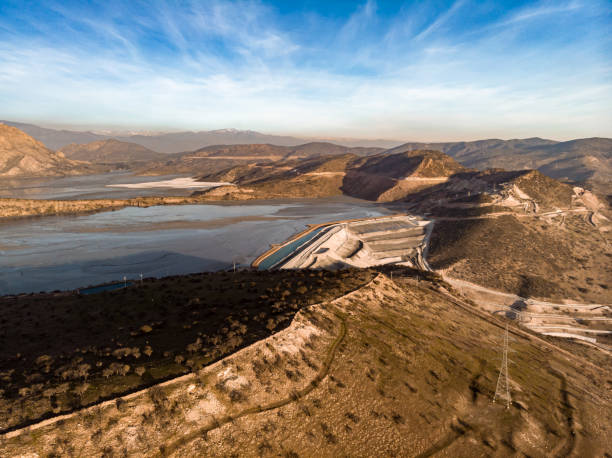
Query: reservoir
69	252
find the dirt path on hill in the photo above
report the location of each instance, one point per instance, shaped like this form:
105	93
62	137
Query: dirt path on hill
293	397
12	432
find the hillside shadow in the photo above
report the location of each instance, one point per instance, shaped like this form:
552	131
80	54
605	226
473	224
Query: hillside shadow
80	274
372	180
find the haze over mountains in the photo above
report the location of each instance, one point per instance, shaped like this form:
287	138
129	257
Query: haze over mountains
586	162
176	142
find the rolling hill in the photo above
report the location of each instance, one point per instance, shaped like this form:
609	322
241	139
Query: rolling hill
380	177
586	162
111	151
215	158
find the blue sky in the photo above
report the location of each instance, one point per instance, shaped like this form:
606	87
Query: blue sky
439	70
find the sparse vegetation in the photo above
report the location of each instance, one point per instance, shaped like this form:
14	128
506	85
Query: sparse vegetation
433	366
116	342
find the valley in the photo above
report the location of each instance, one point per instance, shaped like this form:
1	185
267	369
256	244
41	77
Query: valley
255	228
279	300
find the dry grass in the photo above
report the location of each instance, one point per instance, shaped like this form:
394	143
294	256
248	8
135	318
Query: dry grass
61	351
526	256
388	370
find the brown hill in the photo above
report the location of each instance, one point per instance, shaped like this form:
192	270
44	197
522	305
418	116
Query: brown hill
390	177
377	177
21	155
216	158
520	232
320	176
332	364
111	152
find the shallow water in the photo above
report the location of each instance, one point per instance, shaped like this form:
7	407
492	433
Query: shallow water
86	187
68	252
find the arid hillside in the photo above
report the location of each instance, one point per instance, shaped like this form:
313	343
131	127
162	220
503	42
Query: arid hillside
586	161
520	232
390	177
559	258
213	159
21	155
392	367
111	152
379	177
160	329
321	176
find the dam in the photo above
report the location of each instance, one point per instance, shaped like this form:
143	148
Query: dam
397	239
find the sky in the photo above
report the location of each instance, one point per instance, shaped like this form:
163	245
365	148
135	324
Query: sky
413	71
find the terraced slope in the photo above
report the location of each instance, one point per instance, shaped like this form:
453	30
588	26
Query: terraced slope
393	368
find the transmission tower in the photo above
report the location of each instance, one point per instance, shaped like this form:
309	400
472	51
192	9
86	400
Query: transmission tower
502	391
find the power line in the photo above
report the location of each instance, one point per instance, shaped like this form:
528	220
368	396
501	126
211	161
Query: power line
502	391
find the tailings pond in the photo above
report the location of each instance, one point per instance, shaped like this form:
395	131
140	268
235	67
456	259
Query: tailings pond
68	252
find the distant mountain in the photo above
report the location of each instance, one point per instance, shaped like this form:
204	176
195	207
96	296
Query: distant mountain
111	151
586	161
21	155
188	141
176	142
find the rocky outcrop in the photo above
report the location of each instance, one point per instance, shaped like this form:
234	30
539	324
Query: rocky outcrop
21	155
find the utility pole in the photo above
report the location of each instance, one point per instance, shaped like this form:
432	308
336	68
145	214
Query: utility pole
502	391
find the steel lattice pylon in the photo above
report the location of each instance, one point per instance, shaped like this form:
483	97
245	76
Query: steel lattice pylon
502	391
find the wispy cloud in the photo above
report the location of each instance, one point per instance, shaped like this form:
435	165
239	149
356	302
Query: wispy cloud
440	20
460	71
542	9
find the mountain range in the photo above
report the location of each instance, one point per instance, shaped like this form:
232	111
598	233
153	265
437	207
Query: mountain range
586	162
176	142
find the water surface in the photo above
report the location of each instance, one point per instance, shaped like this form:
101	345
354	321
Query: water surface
68	252
87	187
